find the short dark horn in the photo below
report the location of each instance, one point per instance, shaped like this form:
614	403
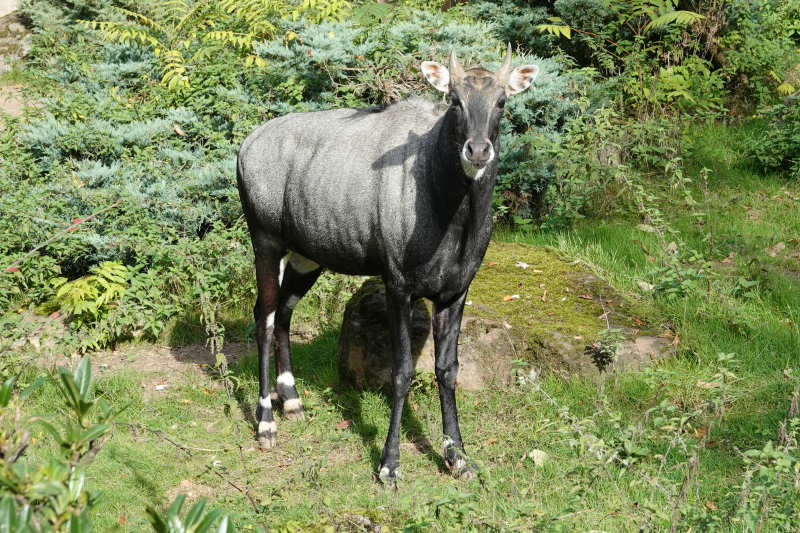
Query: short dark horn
456	71
505	68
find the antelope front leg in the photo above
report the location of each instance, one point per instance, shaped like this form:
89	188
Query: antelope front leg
399	307
446	327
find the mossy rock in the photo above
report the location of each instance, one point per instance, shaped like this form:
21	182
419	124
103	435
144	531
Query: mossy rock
561	309
527	306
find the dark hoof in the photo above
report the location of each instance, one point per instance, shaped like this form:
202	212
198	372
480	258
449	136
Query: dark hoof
457	461
267	435
293	409
389	476
463	469
267	441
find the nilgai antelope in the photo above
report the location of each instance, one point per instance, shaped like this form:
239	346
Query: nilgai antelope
403	192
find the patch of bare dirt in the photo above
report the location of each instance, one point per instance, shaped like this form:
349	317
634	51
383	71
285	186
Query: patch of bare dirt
161	367
148	358
192	490
165	367
11	101
15	43
8	6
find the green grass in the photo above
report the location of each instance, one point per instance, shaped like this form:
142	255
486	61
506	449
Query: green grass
319	476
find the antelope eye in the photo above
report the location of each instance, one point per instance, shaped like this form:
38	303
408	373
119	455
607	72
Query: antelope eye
454	100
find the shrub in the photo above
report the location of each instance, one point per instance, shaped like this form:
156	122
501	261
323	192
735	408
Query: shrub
184	34
658	68
610	174
778	147
51	495
761	49
512	22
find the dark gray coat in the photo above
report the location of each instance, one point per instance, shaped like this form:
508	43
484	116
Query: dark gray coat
369	191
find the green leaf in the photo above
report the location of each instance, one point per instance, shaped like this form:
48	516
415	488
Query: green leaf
209	519
70	389
224	526
555	29
5	391
93	433
83	377
31	388
51	429
175	524
175	508
79	523
195	513
9	520
46	488
156	520
372	12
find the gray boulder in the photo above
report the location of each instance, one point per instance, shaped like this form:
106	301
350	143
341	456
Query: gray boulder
486	348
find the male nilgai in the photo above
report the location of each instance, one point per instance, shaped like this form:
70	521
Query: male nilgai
405	193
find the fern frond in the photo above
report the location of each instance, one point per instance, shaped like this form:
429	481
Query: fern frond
122	32
242	41
555	29
257	15
174	68
680	18
319	10
373	11
141	19
173	11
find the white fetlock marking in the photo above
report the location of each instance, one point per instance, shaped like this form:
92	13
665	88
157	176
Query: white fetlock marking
265	403
302	265
384	473
460	464
282	269
292	405
292	301
267	427
286	378
446	444
271	319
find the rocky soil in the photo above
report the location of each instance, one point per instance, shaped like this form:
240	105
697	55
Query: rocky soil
14	45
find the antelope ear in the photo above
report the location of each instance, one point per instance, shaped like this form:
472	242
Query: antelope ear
437	75
521	78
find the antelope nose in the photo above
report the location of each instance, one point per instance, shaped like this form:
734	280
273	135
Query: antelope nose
478	152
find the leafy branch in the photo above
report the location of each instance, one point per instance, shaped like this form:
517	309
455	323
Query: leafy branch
14	267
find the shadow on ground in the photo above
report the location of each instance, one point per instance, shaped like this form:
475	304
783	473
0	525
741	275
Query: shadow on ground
315	364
